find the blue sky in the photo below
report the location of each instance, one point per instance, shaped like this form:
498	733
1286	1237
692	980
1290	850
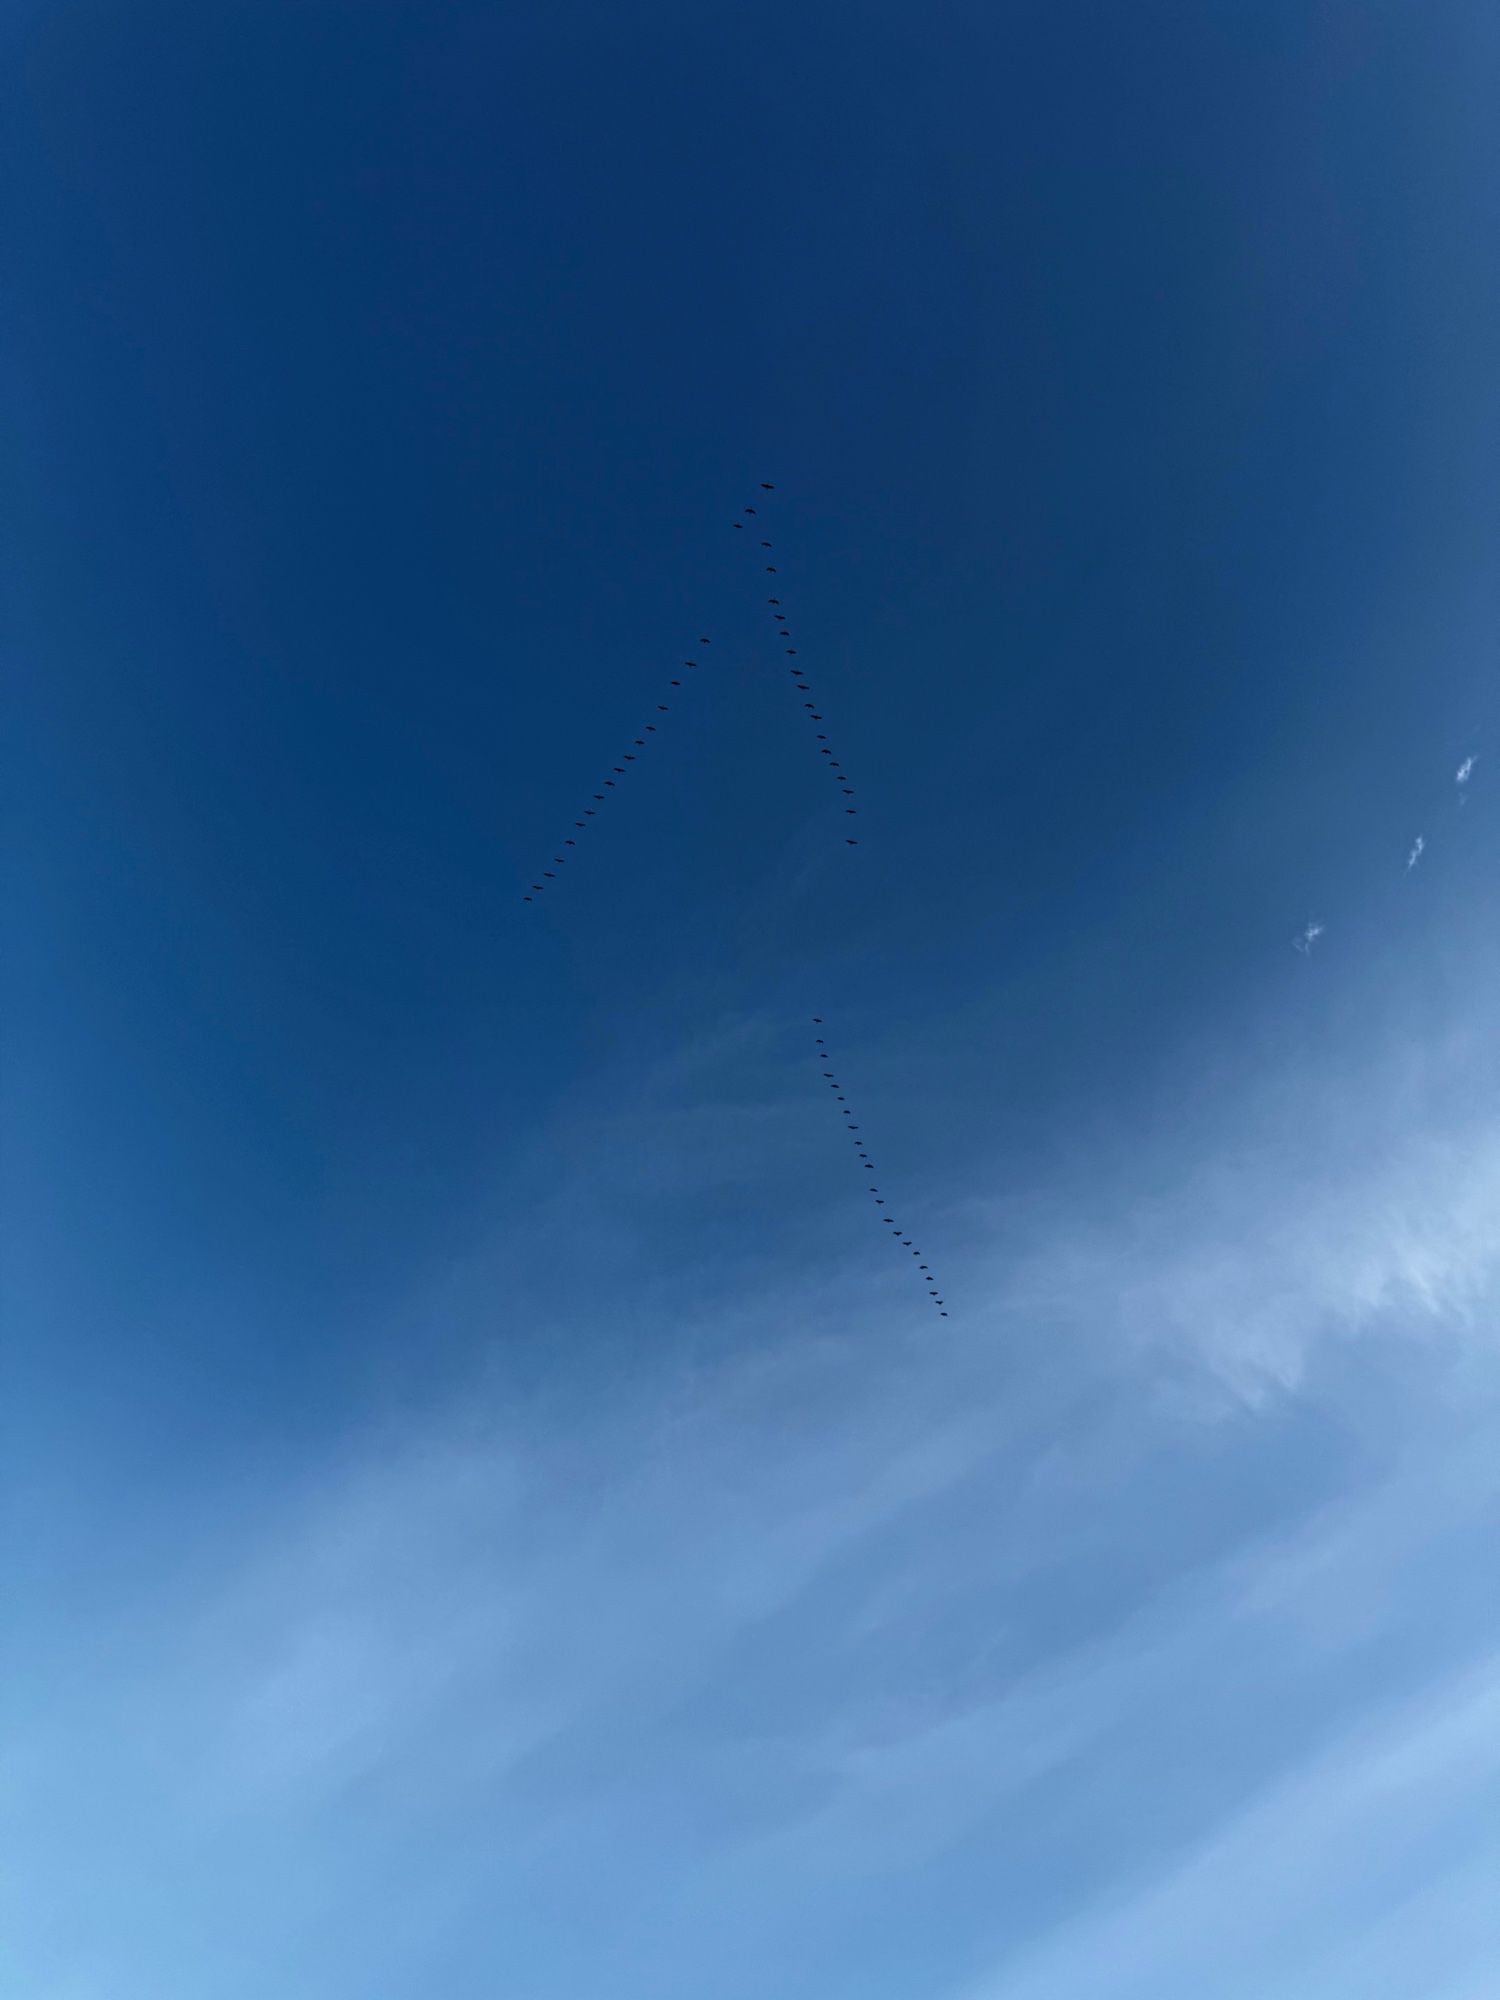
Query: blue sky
486	1512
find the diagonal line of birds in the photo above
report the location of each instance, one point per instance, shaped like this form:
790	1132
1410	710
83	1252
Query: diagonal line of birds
862	1149
776	605
620	770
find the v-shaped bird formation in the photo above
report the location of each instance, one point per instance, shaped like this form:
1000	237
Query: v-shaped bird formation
751	525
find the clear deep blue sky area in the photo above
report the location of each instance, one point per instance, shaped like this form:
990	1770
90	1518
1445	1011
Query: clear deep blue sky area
489	1511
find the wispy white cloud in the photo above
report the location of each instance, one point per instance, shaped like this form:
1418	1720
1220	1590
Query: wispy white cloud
1465	771
1308	936
1311	1861
831	1606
